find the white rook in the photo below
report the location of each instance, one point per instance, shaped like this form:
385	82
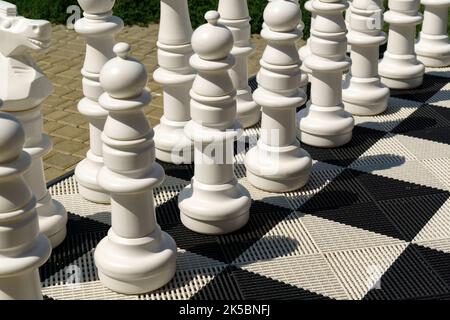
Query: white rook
278	163
99	27
23	249
23	87
363	93
400	68
234	15
214	202
433	47
136	256
325	123
176	76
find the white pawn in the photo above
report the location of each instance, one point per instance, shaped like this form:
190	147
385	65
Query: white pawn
176	76
136	256
363	93
214	202
400	68
99	27
305	51
23	249
325	123
277	163
234	15
433	46
23	88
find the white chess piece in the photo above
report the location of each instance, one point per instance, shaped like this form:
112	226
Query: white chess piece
23	87
99	27
325	123
433	46
348	24
363	93
305	51
176	76
214	202
234	15
277	163
23	249
400	68
136	256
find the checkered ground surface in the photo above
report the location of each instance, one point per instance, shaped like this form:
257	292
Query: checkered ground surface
372	223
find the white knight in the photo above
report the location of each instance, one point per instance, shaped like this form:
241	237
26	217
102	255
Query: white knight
23	87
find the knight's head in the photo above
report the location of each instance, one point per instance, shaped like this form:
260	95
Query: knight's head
19	34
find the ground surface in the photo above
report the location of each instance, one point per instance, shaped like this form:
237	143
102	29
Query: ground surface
63	62
373	222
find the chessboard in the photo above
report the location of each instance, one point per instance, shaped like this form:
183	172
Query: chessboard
372	223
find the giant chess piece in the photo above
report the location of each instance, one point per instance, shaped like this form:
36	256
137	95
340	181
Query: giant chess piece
305	50
176	76
234	15
348	22
433	46
136	256
99	27
363	93
277	163
325	123
23	87
214	202
400	68
23	249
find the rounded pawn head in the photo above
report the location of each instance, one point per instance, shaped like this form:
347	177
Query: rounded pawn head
212	41
282	15
123	77
96	6
12	138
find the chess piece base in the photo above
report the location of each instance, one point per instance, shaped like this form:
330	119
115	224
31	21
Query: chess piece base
402	84
325	127
280	169
136	266
365	96
248	112
26	286
52	220
435	62
197	201
171	143
86	175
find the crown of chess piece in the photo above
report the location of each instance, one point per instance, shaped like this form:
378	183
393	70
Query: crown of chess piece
234	15
400	68
136	256
433	46
214	202
324	123
23	87
305	50
176	76
363	93
23	249
99	27
277	163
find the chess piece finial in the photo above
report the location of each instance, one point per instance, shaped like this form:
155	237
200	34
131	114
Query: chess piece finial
99	28
433	46
23	249
23	87
363	92
278	163
137	256
325	123
400	68
214	202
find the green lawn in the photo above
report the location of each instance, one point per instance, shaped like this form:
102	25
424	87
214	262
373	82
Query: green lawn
143	12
